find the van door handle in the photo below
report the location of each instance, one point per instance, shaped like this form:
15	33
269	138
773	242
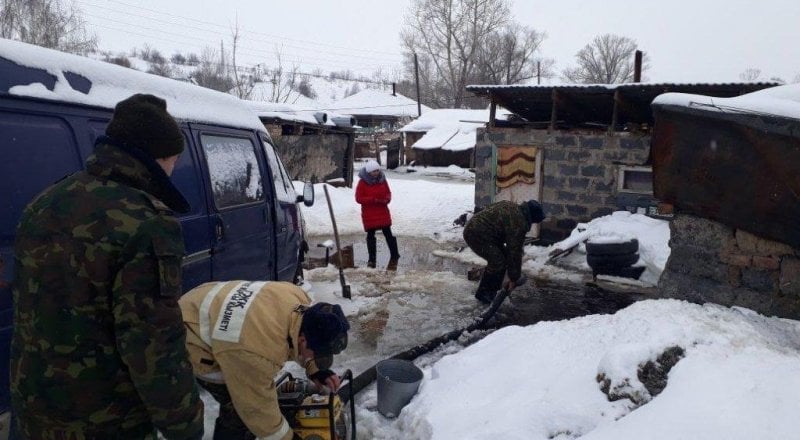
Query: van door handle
219	229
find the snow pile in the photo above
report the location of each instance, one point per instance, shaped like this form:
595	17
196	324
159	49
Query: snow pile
738	379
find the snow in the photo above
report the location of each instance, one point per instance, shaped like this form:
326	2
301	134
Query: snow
296	112
781	101
112	83
377	102
738	378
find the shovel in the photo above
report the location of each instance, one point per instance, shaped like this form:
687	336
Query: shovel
345	287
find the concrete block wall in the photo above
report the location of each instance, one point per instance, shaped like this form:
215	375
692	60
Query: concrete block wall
580	170
711	262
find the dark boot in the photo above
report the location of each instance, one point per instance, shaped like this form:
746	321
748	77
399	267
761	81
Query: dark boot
392	263
371	249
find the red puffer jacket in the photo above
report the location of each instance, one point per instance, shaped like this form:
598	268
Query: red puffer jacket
374	200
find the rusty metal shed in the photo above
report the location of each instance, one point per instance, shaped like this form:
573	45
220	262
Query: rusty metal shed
613	106
735	161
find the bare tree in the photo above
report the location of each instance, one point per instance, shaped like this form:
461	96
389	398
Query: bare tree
447	36
283	80
796	79
750	74
508	56
212	71
242	85
48	23
608	59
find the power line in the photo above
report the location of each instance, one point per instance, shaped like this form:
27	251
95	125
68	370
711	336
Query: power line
272	37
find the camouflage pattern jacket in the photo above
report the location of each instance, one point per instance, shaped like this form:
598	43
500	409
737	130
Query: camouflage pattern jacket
502	224
98	349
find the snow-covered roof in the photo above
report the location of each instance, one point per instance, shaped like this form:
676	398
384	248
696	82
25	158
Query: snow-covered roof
448	129
104	84
783	101
298	113
377	102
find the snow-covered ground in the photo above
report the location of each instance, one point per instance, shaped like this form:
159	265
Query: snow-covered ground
737	373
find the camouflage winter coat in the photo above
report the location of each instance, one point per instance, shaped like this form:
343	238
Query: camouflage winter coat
502	225
98	349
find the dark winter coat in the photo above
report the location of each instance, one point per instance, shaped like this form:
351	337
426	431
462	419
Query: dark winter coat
497	233
98	349
374	196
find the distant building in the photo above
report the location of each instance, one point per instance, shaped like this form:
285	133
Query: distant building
316	146
443	137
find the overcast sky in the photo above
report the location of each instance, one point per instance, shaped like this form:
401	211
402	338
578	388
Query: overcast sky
686	40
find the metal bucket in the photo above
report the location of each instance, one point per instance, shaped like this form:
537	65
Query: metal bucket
398	381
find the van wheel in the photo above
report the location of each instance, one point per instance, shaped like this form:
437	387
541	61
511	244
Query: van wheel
621	248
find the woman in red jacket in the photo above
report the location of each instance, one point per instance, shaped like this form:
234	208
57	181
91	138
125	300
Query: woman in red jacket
373	194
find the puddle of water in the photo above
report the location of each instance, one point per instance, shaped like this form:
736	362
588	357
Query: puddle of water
415	253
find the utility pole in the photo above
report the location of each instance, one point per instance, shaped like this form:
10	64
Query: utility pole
416	74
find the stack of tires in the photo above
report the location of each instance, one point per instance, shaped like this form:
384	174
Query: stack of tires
614	258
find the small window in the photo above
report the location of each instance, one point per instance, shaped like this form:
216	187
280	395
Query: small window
637	180
233	168
283	184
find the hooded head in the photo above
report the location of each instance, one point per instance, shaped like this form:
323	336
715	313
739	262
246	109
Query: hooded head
372	166
325	328
533	211
142	121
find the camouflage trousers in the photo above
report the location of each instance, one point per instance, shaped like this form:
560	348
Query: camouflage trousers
495	256
228	424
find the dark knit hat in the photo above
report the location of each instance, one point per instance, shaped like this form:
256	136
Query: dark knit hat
142	121
325	329
533	211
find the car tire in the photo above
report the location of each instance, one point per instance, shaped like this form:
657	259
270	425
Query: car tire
621	248
623	272
611	261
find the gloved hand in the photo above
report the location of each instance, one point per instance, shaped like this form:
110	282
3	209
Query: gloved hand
326	378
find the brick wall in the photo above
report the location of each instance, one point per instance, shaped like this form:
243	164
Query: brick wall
711	262
580	170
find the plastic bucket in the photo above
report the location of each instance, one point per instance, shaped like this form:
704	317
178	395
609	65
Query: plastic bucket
398	381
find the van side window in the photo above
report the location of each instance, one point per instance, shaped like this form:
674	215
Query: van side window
233	168
283	184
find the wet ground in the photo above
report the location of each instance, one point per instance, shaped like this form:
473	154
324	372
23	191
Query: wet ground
540	299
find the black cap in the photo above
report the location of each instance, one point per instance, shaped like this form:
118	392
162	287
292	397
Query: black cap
325	329
142	121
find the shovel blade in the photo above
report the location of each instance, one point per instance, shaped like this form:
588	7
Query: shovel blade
346	292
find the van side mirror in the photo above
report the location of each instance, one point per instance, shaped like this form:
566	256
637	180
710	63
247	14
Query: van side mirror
308	194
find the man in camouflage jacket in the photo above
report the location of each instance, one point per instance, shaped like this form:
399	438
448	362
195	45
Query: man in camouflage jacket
497	234
98	350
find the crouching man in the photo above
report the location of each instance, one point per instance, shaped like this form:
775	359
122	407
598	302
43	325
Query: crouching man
240	334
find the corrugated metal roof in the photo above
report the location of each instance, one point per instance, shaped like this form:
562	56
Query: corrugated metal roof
593	104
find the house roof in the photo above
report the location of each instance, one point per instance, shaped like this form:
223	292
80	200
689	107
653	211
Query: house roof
448	129
595	104
372	102
781	102
300	114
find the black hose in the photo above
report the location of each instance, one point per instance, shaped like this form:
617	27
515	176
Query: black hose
369	375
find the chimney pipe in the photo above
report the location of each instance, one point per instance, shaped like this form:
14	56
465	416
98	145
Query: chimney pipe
637	67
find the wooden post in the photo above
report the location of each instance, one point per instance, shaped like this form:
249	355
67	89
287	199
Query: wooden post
614	112
492	110
416	74
554	112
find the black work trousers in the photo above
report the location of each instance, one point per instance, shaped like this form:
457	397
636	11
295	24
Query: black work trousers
391	241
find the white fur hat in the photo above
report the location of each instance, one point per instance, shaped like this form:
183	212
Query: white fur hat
372	166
